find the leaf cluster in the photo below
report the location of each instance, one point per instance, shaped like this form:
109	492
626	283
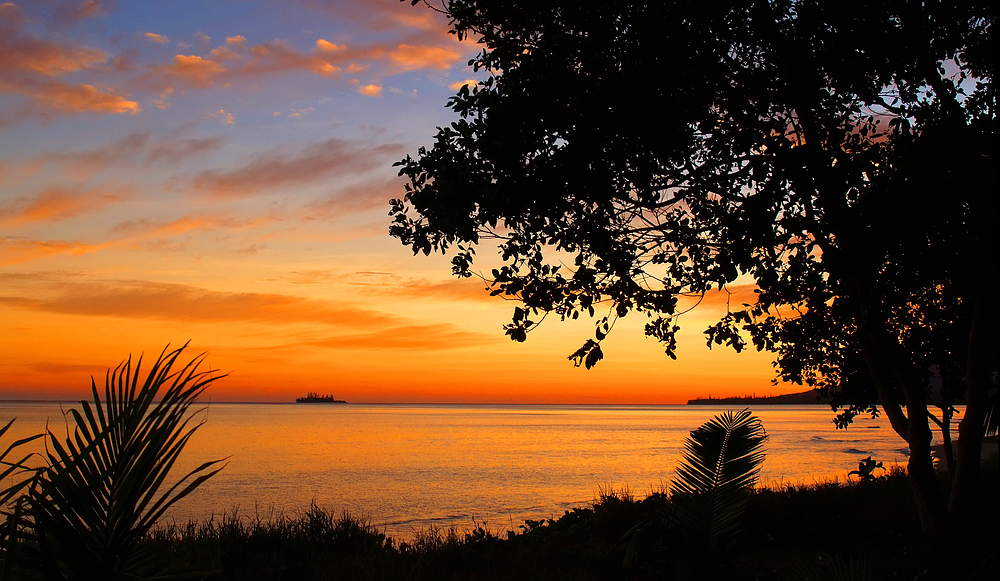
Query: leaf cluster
623	154
87	513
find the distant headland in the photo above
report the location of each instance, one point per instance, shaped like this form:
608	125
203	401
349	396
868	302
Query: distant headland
806	397
313	397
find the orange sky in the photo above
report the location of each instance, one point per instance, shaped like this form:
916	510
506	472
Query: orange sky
222	176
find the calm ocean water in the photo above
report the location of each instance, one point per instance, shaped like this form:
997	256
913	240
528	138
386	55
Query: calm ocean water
407	467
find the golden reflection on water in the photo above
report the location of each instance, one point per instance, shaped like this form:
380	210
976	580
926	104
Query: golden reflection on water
406	467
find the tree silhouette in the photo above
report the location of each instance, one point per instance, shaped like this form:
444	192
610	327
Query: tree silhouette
839	155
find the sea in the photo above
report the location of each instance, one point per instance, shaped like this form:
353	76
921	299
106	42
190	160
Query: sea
407	468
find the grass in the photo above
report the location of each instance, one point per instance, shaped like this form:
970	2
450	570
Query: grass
787	532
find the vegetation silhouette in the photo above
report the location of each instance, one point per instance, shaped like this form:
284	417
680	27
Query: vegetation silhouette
89	510
839	156
783	530
18	473
721	464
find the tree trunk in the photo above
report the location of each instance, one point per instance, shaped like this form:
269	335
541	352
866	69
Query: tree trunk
934	518
962	503
884	359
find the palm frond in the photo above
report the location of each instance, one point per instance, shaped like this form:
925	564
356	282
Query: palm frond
20	474
17	470
101	491
721	462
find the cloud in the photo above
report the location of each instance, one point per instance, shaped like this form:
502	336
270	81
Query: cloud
135	148
177	302
335	157
161	101
324	46
471	83
179	150
421	337
410	58
141	233
379	15
715	302
194	69
144	229
388	284
157	38
84	163
355	199
238	60
370	90
30	65
73	12
358	328
222	116
55	204
28	54
16	250
56	97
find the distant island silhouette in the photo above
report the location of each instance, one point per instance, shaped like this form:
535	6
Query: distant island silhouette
313	397
806	397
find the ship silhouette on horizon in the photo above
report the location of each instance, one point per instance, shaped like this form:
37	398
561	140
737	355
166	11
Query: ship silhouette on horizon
313	397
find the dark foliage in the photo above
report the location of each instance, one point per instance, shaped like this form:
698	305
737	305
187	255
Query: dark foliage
838	155
786	529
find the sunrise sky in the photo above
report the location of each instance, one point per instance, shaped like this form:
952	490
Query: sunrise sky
219	171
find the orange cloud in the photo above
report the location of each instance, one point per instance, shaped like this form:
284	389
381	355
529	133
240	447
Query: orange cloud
421	337
467	82
56	97
20	54
194	69
380	15
161	102
222	115
388	284
177	302
224	53
319	161
355	327
157	38
370	90
354	199
409	58
131	149
55	204
15	250
325	46
146	229
238	40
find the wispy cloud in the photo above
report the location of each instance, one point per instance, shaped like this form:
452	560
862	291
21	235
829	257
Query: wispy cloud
133	149
354	199
157	38
52	97
420	337
29	65
20	53
16	250
70	12
355	327
55	204
334	157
